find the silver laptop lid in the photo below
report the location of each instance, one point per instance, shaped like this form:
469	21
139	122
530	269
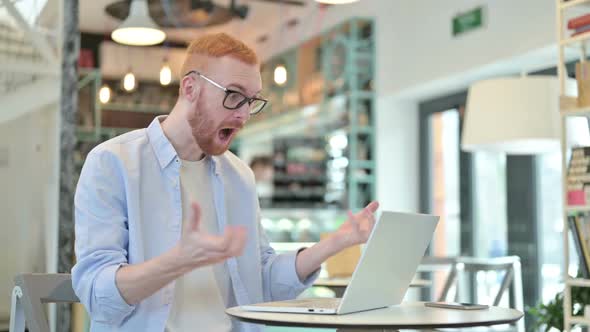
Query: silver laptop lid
389	261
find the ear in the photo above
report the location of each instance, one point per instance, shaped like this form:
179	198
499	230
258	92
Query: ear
189	88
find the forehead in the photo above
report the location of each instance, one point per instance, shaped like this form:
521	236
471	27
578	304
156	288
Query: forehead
230	71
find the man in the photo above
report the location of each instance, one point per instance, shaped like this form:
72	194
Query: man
263	169
167	220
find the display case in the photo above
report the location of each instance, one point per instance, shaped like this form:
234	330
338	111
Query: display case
319	131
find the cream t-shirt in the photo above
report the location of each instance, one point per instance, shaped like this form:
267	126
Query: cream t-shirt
200	296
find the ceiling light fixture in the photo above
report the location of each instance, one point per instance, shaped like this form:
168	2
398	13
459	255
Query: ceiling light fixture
138	29
165	74
104	94
129	81
516	116
280	75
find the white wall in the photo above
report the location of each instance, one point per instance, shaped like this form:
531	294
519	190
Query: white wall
397	155
418	59
415	43
28	198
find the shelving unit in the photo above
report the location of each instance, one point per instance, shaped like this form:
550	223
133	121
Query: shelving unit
576	209
569	108
299	178
356	45
343	60
572	3
93	125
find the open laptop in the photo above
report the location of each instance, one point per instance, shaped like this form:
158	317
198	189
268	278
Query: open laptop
389	262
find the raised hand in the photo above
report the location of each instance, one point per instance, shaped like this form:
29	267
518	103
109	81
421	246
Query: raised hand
358	227
199	248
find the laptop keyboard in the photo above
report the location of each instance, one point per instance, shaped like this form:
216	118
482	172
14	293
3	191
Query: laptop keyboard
320	303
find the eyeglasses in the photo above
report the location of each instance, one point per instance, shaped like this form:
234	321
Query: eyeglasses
234	99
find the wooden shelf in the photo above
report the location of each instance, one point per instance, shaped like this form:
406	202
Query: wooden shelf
575	41
580	320
573	3
578	282
577	208
569	107
135	108
584	111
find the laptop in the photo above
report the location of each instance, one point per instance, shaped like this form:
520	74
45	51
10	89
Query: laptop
387	266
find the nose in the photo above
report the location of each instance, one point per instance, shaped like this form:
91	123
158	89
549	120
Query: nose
242	113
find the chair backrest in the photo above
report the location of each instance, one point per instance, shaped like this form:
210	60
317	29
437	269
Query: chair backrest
510	265
448	265
31	292
510	281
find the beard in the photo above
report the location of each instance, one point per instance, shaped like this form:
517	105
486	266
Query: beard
213	139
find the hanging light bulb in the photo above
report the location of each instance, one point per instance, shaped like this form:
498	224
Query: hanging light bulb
138	29
335	2
129	81
104	94
280	75
165	74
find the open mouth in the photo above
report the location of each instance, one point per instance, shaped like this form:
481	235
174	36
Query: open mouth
226	133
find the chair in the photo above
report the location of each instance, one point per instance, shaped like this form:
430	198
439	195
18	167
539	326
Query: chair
431	264
511	280
31	292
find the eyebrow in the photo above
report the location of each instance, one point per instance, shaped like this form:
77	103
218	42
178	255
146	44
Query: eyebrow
242	89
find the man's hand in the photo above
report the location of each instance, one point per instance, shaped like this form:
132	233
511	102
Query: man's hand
358	227
355	230
198	248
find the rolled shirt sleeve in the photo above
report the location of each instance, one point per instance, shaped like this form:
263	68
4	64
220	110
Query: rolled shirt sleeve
279	273
101	238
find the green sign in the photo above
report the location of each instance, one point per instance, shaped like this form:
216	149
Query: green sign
468	21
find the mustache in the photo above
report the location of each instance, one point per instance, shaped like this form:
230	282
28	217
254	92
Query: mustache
233	124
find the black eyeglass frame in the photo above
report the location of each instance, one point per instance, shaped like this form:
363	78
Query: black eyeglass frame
228	92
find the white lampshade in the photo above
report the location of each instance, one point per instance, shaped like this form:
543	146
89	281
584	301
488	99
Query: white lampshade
516	116
138	29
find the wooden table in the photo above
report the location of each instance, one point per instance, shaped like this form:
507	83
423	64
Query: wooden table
405	316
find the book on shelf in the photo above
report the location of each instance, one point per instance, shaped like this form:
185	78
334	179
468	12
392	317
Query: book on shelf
578	22
579	226
583	82
578	177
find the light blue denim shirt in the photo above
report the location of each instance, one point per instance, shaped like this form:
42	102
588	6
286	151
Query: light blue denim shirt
128	209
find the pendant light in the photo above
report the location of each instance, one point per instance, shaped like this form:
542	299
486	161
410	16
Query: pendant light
104	94
280	71
518	116
280	75
129	81
138	29
165	73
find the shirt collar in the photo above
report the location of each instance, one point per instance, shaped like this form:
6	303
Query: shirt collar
165	152
162	147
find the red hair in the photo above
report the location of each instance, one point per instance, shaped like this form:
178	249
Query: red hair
216	46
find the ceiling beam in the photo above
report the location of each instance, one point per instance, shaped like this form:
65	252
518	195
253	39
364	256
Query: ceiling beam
37	38
19	102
